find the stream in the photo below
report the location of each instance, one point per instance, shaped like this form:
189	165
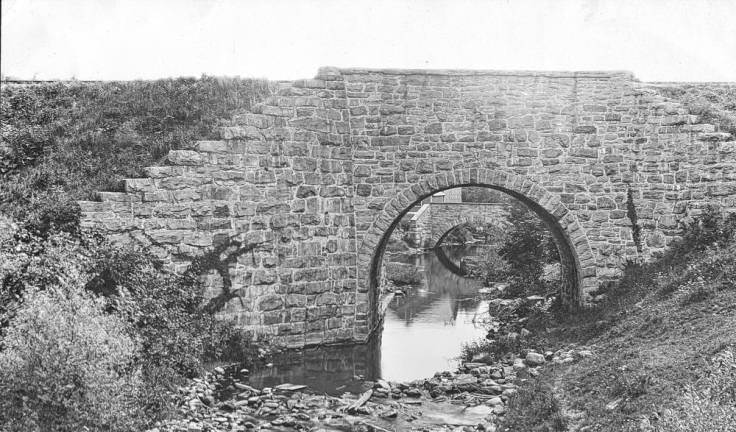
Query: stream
423	333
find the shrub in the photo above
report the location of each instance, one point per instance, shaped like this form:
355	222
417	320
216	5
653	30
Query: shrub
534	408
631	385
66	365
528	247
164	312
29	261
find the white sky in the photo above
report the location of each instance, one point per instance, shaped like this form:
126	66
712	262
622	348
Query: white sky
659	40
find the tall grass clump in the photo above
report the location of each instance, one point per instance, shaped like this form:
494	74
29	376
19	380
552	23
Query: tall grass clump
534	407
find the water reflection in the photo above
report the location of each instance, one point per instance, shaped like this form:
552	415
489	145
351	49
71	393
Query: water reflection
423	332
332	369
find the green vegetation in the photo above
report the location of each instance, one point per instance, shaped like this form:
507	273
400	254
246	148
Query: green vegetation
662	343
83	321
518	255
67	365
713	103
534	408
94	336
60	142
527	248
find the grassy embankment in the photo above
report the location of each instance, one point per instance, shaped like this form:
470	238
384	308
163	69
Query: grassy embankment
663	348
94	336
63	141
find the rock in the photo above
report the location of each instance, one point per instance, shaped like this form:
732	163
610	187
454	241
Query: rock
479	410
562	360
494	401
519	364
482	370
585	353
509	392
290	387
413	392
246	387
383	385
534	359
465	382
389	414
483	358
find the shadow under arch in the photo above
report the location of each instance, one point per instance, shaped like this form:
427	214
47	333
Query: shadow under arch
576	257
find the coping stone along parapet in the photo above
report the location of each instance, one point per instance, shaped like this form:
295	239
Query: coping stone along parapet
329	71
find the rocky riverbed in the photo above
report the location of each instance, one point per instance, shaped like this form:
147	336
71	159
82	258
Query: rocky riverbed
472	398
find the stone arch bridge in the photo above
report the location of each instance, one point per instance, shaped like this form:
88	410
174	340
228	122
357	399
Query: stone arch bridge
300	195
434	221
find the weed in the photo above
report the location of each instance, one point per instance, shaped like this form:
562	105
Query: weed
534	407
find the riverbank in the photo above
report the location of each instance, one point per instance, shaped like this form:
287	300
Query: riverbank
657	354
473	398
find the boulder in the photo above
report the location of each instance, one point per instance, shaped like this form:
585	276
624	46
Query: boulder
534	359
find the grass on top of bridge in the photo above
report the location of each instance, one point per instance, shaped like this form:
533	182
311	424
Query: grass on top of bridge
63	141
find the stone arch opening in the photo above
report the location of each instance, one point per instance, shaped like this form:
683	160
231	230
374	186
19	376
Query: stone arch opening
576	257
443	231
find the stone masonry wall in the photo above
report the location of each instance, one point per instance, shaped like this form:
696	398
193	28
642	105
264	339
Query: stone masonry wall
298	196
440	218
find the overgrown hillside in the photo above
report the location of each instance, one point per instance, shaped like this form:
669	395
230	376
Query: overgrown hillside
713	103
663	347
62	141
95	336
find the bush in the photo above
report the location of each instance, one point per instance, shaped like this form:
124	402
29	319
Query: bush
165	313
66	365
28	261
534	408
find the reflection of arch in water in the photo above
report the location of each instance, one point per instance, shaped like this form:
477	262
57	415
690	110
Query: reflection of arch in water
439	284
576	256
447	262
